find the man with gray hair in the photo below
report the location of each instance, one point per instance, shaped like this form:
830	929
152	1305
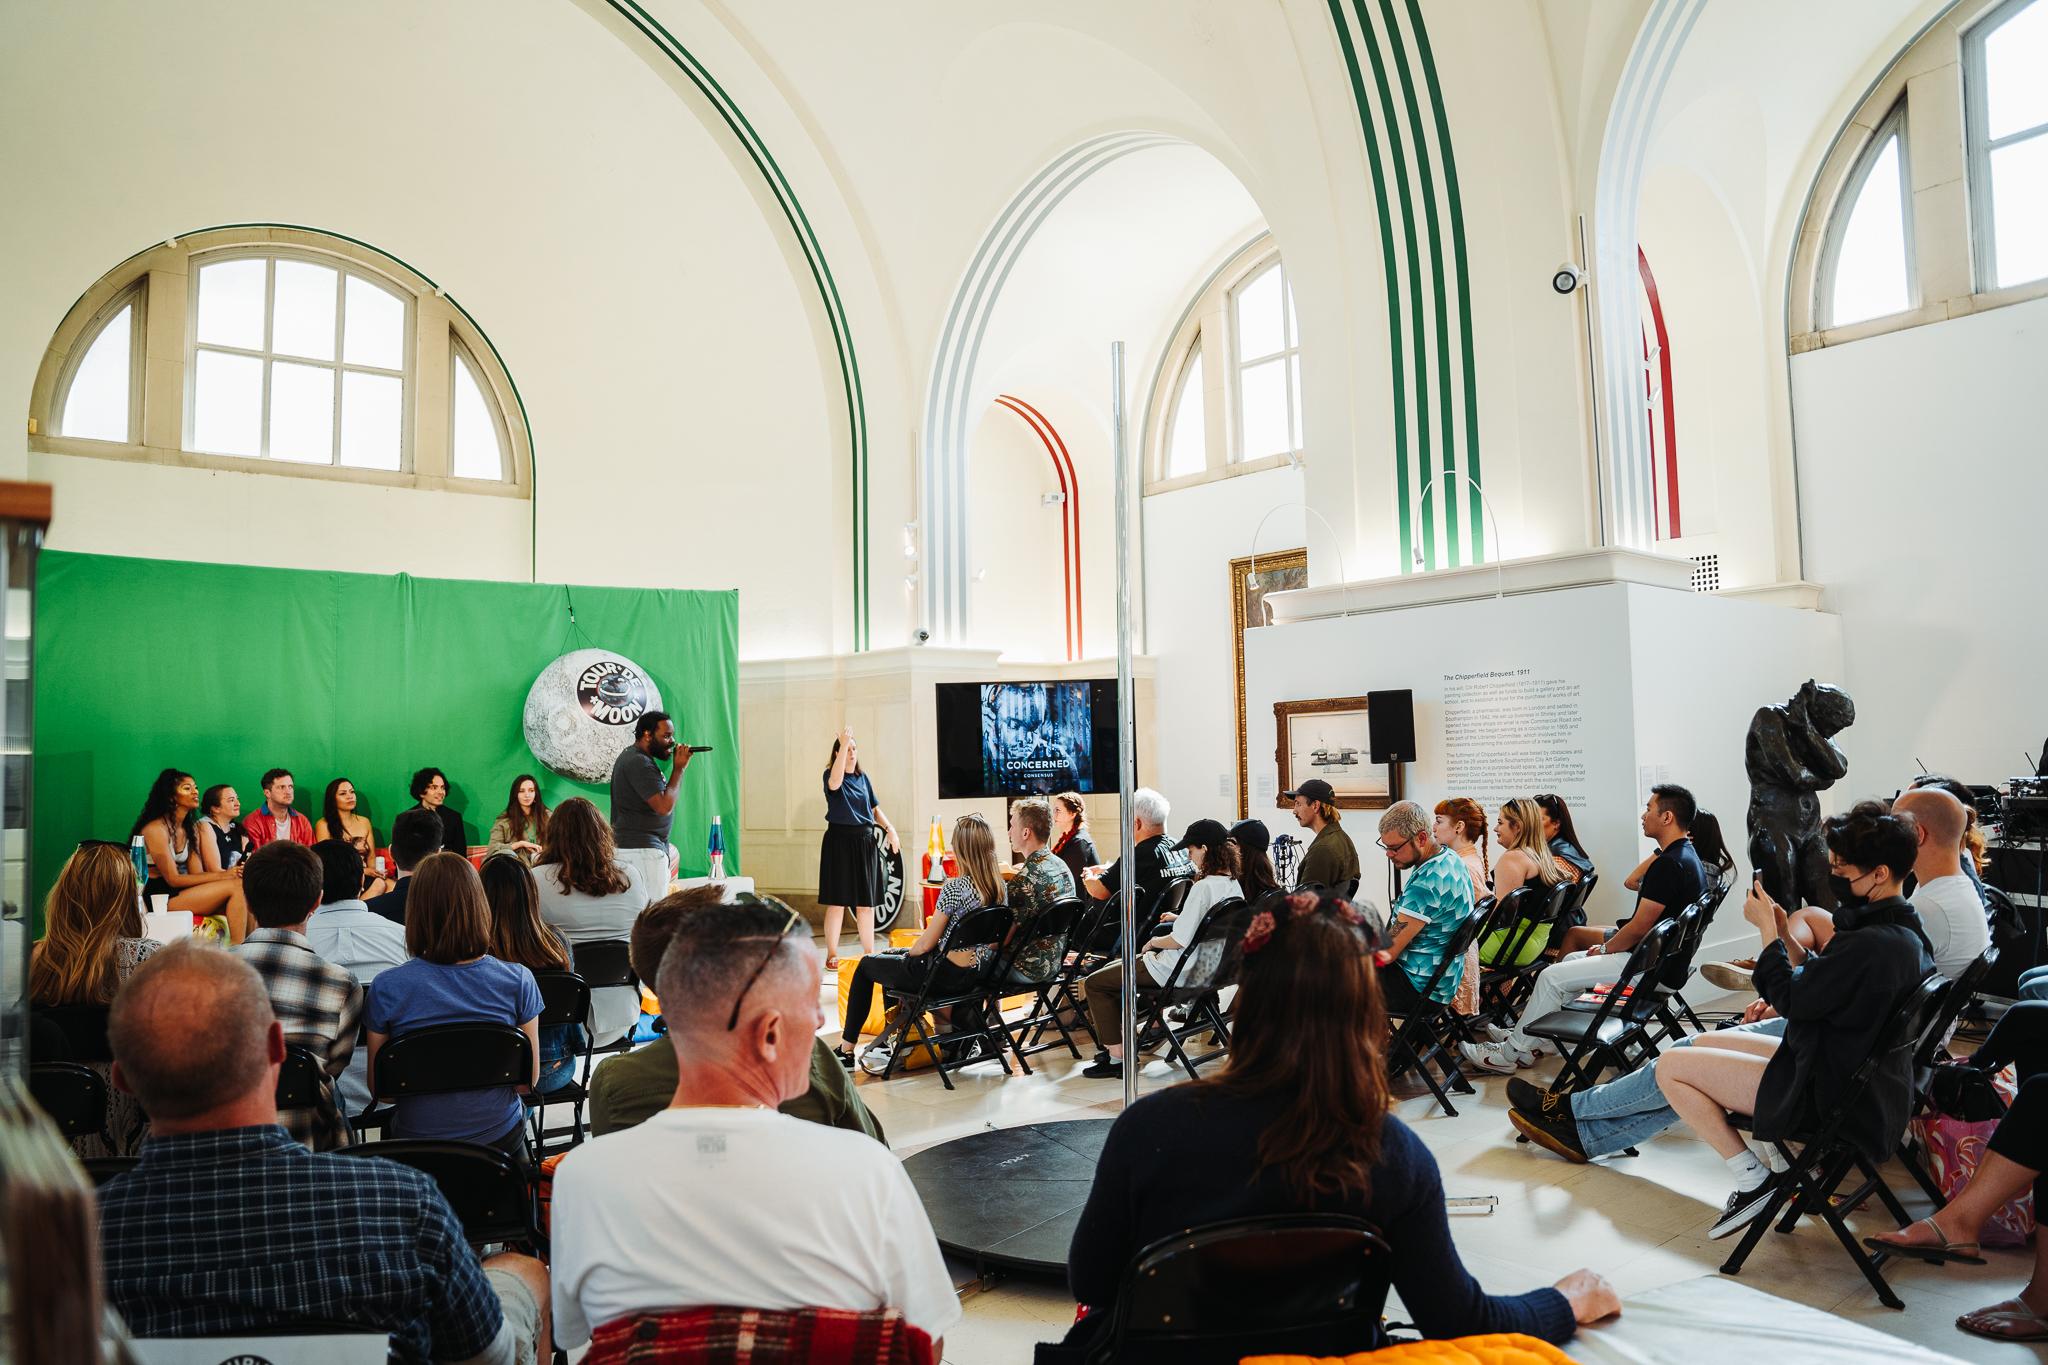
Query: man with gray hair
228	1227
720	1200
1435	900
1153	860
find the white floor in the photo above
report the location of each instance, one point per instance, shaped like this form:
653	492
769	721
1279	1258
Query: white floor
1641	1221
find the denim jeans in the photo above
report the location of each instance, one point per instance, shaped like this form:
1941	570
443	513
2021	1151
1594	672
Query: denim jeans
2034	984
1631	1110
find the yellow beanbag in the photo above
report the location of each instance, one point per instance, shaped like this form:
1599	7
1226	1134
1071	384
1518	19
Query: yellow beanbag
1500	1348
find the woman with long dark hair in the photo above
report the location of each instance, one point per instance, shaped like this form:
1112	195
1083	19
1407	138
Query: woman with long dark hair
184	866
341	818
518	934
1562	835
1071	843
589	894
523	827
849	873
1297	1122
1255	874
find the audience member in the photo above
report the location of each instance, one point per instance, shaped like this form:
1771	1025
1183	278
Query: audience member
415	834
453	979
430	790
228	1227
1836	1004
1298	1121
1255	874
1674	880
92	941
317	1002
1154	862
1717	866
523	827
721	1200
1973	844
1071	842
1460	826
590	893
635	1086
184	868
643	802
1435	900
1037	883
1214	857
275	818
347	933
1525	856
339	820
979	883
1331	859
220	819
1563	836
519	935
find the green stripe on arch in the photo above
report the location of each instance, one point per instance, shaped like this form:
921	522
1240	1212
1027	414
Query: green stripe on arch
757	151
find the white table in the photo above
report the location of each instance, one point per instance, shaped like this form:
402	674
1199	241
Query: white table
734	886
1717	1318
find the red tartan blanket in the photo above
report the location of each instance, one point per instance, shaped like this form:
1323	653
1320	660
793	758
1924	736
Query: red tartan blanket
756	1336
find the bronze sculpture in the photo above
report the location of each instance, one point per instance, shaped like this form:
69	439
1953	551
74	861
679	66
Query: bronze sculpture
1790	755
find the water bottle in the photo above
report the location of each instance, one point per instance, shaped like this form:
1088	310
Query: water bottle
716	848
139	855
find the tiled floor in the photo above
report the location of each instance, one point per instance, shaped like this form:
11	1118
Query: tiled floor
1641	1221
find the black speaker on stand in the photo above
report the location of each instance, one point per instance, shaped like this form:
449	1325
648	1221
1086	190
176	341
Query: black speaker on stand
1390	723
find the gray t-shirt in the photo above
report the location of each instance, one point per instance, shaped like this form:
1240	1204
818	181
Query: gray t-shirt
635	824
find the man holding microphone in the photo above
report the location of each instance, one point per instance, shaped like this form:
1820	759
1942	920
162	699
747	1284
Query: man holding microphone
643	803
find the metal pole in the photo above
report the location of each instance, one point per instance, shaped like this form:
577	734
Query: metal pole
1127	720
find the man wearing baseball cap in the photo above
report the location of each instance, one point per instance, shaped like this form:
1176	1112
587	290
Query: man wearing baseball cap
1332	859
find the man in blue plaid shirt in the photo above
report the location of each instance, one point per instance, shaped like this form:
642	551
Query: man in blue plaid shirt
318	1002
228	1227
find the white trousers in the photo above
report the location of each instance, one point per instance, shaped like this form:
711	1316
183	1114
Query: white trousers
1559	983
650	865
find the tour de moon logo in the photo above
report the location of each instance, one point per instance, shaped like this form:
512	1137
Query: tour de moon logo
580	711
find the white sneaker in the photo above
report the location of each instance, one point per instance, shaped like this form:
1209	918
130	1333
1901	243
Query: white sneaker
1495	1033
1502	1058
875	1060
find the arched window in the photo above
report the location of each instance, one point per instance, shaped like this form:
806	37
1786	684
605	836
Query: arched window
1226	398
1867	268
2005	83
292	352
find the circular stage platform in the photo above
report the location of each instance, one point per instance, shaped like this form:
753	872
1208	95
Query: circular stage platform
1010	1197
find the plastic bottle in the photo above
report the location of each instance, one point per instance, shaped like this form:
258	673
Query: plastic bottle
716	848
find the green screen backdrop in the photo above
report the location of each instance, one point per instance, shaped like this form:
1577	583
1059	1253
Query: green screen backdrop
226	671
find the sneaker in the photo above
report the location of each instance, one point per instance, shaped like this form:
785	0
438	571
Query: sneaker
1494	1033
1731	976
1104	1067
1501	1058
1554	1132
875	1061
845	1058
1534	1099
1743	1208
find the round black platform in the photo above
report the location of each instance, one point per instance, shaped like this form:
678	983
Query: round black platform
1010	1197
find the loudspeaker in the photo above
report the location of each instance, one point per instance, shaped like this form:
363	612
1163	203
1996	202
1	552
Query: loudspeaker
1390	716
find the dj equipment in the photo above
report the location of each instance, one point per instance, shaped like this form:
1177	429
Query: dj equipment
1390	719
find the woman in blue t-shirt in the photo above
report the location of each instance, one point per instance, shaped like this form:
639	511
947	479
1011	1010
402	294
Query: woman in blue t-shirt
849	871
453	979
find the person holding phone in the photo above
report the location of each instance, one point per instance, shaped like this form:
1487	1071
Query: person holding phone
849	873
644	803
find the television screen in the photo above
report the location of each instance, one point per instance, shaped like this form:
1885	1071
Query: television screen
1027	739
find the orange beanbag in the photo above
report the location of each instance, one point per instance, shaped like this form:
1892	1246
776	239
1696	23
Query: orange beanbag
1500	1348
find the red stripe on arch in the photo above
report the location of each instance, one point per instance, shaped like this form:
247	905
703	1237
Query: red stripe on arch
1070	511
1664	379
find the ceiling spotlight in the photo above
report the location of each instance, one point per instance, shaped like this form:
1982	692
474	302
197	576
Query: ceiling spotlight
1568	279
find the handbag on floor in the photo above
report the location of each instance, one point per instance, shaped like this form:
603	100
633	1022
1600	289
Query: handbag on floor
1956	1145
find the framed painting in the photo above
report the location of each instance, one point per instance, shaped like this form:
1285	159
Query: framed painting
1279	571
1332	739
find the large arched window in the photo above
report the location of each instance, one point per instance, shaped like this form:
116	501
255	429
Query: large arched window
2005	78
283	351
1867	271
1227	398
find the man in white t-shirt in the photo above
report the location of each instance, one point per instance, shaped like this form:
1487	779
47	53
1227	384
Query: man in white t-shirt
721	1201
1951	912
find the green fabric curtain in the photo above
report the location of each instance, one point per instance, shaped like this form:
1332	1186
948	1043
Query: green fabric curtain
225	671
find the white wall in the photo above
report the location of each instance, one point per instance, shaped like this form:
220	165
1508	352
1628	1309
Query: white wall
1923	472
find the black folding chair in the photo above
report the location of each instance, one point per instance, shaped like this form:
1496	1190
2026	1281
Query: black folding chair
1431	1033
1103	945
1037	963
1526	915
84	1028
564	1002
1277	1284
1674	1012
601	963
1092	942
443	1059
983	927
1617	1032
299	1078
491	1193
73	1095
101	1169
1825	1157
1199	974
1933	1050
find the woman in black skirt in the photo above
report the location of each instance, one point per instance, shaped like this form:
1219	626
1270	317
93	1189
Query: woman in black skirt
849	872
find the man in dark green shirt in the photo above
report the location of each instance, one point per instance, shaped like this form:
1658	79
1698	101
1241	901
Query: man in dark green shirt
1331	859
635	1086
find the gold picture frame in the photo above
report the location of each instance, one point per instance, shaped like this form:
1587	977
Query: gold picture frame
1280	571
1331	738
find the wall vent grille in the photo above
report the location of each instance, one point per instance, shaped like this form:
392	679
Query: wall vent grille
1706	573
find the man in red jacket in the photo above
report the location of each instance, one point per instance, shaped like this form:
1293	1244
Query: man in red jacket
277	820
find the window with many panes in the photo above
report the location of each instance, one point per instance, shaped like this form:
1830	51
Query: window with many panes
2005	77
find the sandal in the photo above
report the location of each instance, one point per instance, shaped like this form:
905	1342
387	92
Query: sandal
2008	1321
831	964
1934	1253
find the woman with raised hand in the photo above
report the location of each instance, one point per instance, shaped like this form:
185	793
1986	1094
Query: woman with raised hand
849	871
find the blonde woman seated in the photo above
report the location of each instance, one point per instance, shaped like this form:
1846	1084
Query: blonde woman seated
1216	858
1525	860
980	883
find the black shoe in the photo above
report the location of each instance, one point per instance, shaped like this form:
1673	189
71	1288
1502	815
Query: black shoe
845	1059
1554	1132
1743	1208
1534	1099
1103	1067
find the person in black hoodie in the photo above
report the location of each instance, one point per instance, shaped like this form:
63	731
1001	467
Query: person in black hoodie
1835	1004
